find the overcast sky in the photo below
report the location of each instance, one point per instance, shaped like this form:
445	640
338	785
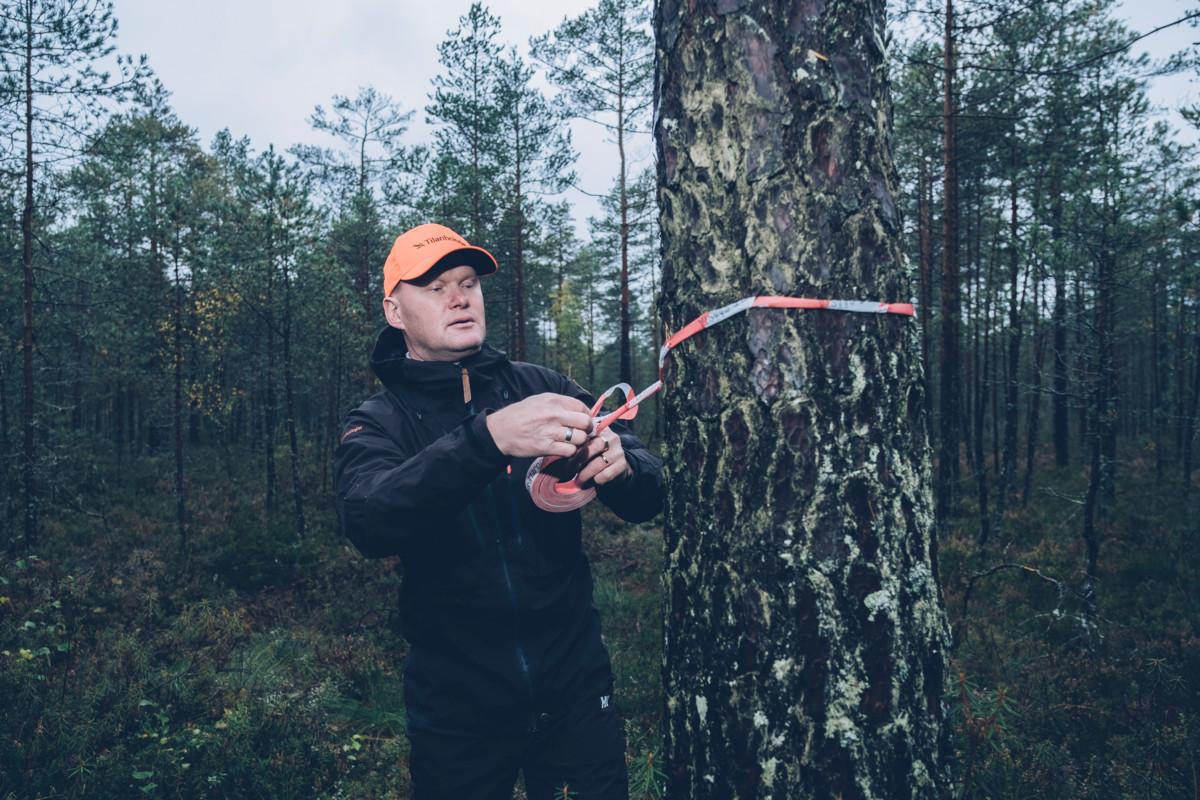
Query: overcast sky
259	67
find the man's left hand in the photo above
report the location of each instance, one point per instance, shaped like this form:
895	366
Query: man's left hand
604	459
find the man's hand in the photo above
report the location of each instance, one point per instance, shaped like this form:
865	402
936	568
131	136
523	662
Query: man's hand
605	459
540	425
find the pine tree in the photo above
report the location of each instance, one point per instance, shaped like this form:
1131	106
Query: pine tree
805	638
535	161
49	54
603	63
463	105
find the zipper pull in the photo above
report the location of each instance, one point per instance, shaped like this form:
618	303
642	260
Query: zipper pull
466	387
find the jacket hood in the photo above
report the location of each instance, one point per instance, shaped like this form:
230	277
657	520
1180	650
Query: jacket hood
389	360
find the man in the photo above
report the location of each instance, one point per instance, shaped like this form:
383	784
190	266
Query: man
506	669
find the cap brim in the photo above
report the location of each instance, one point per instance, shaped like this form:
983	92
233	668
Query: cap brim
472	256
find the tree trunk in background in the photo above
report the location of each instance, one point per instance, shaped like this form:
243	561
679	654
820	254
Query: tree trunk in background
268	433
519	261
1157	368
7	536
1033	431
289	398
925	236
626	368
177	404
27	394
1189	424
979	415
1012	381
805	637
949	376
1062	417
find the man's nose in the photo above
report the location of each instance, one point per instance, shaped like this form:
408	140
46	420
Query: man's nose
458	297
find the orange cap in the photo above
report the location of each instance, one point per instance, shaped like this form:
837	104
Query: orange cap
419	249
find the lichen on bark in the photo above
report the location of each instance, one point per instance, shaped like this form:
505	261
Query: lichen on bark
805	651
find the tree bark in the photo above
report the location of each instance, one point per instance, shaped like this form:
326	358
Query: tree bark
805	636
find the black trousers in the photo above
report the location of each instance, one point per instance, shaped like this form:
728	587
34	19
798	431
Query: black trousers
579	753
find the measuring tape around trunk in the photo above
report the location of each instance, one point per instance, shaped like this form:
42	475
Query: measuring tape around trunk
551	493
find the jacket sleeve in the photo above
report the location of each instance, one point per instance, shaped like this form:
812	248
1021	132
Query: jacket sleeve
639	496
389	501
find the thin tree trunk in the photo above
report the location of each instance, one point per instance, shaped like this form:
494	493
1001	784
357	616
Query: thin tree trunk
290	400
1061	412
7	493
177	408
269	375
519	261
948	467
1033	432
982	370
925	236
626	367
1012	375
27	396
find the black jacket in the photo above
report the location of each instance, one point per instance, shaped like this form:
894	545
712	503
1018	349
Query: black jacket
496	600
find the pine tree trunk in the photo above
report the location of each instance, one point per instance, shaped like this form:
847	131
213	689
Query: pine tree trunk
805	638
925	236
177	409
626	366
7	535
981	366
1033	431
268	433
1061	415
27	395
289	398
1012	373
519	261
948	440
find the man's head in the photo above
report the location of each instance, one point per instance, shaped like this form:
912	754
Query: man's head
432	293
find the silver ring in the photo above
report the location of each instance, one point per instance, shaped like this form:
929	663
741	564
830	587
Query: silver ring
607	442
570	433
606	461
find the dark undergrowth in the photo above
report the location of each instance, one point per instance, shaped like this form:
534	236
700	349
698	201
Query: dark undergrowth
1056	697
271	667
262	667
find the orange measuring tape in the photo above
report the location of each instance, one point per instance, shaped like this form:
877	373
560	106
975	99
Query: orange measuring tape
551	493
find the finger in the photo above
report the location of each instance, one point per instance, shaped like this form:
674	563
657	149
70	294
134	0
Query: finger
611	472
594	447
576	437
561	449
575	419
599	465
571	403
590	471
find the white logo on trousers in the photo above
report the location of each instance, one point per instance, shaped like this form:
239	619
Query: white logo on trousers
604	701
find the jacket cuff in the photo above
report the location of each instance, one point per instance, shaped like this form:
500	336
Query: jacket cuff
481	438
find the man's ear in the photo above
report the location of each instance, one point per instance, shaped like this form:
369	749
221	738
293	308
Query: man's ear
391	310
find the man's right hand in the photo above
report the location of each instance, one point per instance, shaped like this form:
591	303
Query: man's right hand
538	425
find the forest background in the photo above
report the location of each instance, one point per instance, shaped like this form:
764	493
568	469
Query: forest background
186	319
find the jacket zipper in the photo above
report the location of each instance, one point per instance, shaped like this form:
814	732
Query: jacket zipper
519	647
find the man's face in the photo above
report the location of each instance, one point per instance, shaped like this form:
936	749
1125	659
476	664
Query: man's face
442	319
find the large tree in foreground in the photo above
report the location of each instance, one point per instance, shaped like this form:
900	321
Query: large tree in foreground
805	636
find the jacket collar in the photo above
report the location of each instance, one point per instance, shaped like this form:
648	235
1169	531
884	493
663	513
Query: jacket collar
389	361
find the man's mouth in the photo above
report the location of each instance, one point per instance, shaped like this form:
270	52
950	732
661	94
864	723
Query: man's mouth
459	322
